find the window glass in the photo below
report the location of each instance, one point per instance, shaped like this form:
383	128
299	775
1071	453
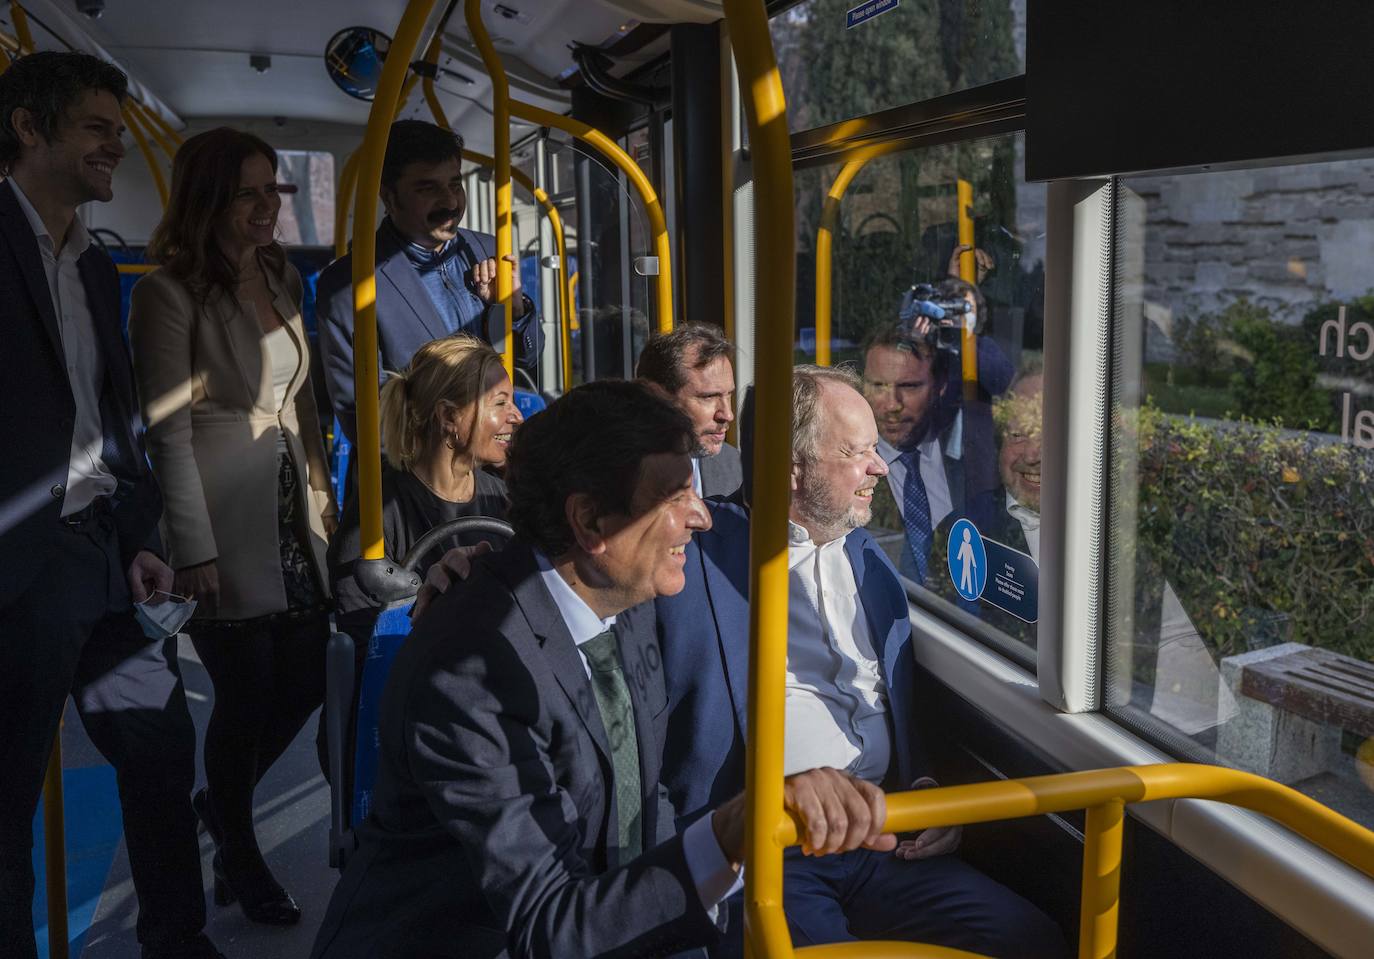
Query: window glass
1240	609
963	452
307	210
914	50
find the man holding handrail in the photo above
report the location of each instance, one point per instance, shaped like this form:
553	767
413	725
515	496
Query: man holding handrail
434	278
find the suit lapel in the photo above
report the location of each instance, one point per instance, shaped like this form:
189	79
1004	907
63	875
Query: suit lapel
24	245
719	589
399	272
564	661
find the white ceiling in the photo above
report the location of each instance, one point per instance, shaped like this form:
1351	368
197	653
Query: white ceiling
193	54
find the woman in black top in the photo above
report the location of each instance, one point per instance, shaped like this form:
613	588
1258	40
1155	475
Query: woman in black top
448	415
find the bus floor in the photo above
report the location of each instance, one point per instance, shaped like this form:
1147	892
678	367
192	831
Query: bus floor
292	815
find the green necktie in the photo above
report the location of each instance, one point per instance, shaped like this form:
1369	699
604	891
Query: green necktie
617	715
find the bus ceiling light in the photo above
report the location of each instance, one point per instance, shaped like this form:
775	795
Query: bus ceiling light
260	62
91	8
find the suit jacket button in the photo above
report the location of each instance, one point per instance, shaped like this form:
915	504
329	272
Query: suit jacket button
58	491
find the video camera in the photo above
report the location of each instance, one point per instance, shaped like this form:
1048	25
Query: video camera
923	299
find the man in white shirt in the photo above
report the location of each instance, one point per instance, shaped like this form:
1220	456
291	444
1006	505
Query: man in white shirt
849	702
518	809
78	515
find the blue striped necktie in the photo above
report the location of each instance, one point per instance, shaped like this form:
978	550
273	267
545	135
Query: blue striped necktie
916	514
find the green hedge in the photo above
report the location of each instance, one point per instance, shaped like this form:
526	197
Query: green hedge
1264	534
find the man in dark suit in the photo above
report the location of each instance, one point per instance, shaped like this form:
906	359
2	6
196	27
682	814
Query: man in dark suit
78	514
518	810
434	278
694	363
850	685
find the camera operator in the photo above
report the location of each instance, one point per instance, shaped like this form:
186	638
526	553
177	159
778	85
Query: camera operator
939	446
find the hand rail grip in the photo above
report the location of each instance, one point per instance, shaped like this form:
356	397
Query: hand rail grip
463	524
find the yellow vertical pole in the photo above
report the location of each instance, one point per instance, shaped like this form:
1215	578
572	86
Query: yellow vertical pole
136	128
372	152
825	235
658	223
21	28
968	271
159	137
775	245
1102	834
500	126
165	127
55	852
343	203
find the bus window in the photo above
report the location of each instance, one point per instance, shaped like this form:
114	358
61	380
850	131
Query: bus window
307	215
842	59
959	511
1240	619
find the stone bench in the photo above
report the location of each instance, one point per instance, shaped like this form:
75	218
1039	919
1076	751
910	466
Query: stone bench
1293	701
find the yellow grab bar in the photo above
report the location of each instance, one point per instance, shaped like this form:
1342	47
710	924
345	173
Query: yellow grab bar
765	927
131	120
20	19
825	237
500	133
343	204
369	182
968	272
167	145
658	223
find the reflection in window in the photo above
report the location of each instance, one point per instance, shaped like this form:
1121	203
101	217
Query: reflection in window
963	450
1240	615
916	50
307	212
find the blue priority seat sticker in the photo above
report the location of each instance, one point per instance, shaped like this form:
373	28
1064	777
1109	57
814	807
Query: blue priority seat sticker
986	570
968	560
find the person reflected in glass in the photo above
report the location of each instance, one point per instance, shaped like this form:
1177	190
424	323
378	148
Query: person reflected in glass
223	369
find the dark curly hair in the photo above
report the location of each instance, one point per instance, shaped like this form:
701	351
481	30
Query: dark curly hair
417	141
47	84
591	440
664	359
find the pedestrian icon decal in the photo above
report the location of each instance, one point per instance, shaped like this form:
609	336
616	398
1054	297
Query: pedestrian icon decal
968	560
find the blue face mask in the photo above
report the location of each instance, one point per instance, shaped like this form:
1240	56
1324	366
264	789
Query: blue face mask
166	618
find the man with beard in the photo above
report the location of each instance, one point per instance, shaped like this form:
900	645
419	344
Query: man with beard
850	702
434	278
694	363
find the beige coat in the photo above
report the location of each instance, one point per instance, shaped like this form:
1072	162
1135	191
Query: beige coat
205	384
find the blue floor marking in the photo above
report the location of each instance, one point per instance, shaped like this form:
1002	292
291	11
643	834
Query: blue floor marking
94	827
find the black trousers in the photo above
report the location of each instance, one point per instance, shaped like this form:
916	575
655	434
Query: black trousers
268	678
73	631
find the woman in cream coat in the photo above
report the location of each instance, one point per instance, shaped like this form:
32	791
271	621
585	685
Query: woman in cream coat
222	364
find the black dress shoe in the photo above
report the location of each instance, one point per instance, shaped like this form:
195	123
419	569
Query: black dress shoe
261	897
200	802
197	947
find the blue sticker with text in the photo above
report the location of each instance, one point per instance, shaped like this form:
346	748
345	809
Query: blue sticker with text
968	560
867	11
1015	581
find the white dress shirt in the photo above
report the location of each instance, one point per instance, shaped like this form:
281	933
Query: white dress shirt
932	474
836	695
87	475
1030	525
710	870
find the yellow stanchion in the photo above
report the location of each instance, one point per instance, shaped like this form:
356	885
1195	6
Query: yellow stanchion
343	203
20	19
500	126
176	138
775	245
825	237
145	115
968	272
136	128
658	223
369	181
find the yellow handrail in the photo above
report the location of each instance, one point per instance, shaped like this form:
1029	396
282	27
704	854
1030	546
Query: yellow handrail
20	19
164	126
658	223
372	152
1104	793
825	236
968	272
168	145
131	120
343	204
765	927
500	138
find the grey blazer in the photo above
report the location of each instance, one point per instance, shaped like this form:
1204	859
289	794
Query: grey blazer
722	475
494	813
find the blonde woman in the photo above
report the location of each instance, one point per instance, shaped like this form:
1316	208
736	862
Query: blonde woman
223	370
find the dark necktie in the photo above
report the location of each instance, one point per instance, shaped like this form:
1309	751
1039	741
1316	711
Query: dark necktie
916	514
617	715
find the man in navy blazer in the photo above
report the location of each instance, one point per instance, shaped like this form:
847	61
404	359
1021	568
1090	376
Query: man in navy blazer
434	278
78	514
849	696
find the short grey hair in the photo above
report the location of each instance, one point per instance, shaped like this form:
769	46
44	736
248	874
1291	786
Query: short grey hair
807	383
